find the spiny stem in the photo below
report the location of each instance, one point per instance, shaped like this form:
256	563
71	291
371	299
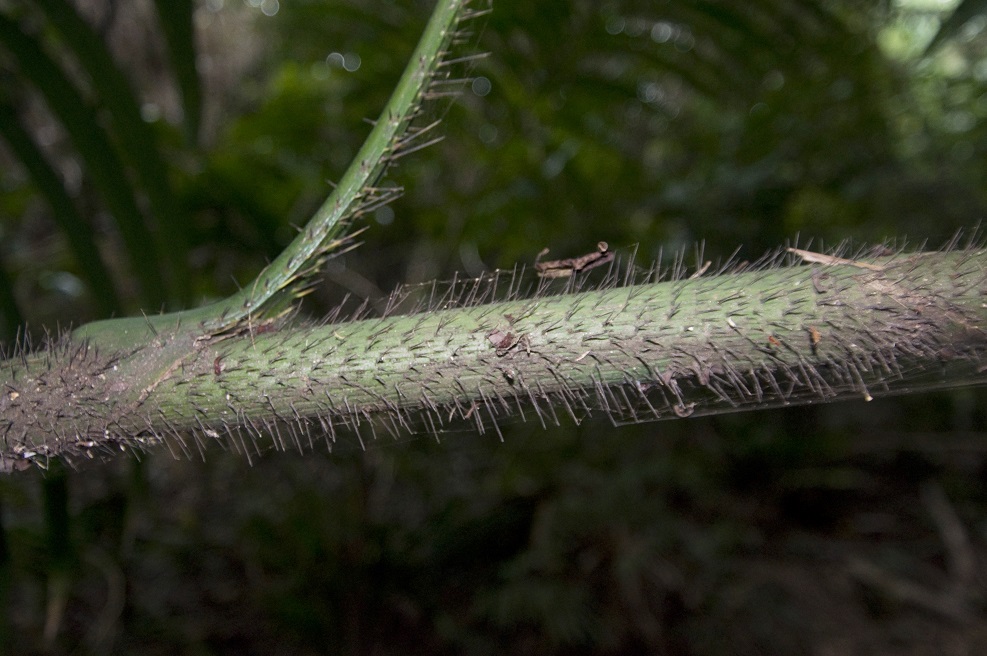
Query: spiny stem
277	286
725	343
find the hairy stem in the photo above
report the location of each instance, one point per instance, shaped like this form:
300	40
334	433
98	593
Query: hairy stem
832	330
289	275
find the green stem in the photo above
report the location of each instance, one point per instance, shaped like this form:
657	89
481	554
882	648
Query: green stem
277	286
727	343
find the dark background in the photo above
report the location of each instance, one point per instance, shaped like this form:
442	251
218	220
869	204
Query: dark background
848	528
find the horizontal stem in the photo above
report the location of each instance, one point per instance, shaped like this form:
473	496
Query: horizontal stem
731	342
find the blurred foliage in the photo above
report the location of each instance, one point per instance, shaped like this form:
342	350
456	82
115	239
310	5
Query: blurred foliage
650	123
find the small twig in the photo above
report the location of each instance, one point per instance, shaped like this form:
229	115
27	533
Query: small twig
701	270
822	258
567	266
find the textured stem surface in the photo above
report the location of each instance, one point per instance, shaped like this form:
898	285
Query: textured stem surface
790	335
294	270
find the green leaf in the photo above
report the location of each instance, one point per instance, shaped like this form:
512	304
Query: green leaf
966	11
176	23
135	136
77	230
101	161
